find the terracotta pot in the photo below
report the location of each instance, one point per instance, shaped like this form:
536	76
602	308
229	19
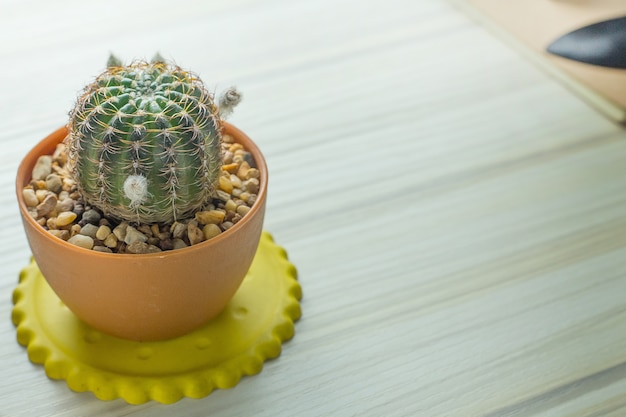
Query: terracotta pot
153	296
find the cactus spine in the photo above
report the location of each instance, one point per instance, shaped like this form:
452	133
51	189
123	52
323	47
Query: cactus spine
144	142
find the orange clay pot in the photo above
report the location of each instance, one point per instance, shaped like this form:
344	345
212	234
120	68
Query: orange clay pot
153	296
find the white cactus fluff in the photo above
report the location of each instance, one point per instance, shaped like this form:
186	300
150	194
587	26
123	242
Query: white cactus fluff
228	101
136	189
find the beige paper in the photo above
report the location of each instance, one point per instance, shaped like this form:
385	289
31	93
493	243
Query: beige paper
534	24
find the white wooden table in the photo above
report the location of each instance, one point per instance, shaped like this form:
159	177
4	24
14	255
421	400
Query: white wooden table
456	216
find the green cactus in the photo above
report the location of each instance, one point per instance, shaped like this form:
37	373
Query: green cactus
144	142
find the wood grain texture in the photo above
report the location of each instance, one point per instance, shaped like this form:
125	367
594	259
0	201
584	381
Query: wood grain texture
456	215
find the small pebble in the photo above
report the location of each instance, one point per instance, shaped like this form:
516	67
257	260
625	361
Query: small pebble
133	235
66	204
120	231
242	171
225	184
154	249
103	232
91	216
244	196
54	183
47	205
251	185
102	249
43	167
164	235
210	217
178	230
211	230
68	184
178	244
75	229
111	241
224	196
247	157
61	234
167	244
139	247
51	223
41	194
145	229
89	230
235	181
252	173
235	147
243	210
230	205
30	198
194	234
65	218
60	155
79	208
230	168
81	241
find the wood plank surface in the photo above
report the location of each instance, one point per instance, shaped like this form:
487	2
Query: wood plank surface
457	216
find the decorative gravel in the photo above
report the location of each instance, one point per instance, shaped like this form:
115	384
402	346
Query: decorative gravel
54	202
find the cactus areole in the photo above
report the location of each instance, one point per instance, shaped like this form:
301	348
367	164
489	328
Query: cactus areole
144	142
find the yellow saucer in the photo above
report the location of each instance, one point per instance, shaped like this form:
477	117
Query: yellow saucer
251	330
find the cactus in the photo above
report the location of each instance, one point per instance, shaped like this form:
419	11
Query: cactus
144	141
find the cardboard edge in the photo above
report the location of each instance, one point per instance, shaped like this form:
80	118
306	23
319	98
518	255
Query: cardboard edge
588	95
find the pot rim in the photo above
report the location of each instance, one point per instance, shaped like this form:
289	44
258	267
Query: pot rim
23	176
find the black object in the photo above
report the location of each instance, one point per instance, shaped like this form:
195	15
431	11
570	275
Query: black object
602	43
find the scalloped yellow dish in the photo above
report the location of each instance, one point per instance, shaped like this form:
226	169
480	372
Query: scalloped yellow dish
236	343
